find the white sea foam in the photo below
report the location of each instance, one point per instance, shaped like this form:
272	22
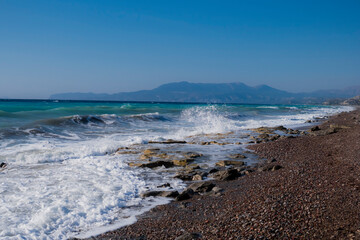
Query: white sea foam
59	187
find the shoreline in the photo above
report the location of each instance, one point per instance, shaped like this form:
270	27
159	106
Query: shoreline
300	200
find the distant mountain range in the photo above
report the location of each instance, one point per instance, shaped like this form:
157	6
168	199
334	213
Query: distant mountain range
218	93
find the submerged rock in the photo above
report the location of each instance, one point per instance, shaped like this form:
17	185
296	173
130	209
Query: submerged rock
155	164
169	141
229	162
237	155
182	162
170	194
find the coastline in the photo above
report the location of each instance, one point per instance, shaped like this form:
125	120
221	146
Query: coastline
300	200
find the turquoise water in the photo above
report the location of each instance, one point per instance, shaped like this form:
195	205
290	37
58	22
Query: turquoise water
63	176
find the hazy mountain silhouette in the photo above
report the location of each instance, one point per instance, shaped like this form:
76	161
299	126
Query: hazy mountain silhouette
215	93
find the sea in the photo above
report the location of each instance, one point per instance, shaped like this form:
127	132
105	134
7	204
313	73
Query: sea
64	176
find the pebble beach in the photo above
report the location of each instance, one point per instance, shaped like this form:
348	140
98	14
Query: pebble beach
306	187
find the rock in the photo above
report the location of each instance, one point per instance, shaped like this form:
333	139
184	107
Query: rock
280	128
201	187
134	164
217	189
189	236
186	194
169	141
192	166
229	162
170	194
151	151
127	152
226	175
185	176
182	162
263	136
3	165
263	130
155	164
164	185
192	155
236	156
213	170
197	177
314	129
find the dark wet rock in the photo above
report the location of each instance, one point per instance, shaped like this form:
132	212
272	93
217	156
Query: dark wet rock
155	164
164	185
192	155
197	177
182	162
314	129
185	176
192	166
169	141
274	137
186	194
263	136
230	162
280	128
237	155
226	175
201	187
127	152
170	194
3	165
213	170
189	236
265	130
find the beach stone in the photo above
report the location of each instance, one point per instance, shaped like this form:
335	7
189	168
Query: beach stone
182	162
229	162
155	164
197	177
270	168
226	175
201	187
237	155
186	194
189	236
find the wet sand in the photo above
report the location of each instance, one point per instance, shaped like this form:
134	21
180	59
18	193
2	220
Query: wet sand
315	195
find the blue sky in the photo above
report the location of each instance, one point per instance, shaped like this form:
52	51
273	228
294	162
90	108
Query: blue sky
50	46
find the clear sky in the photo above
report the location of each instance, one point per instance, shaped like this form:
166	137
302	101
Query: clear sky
106	46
